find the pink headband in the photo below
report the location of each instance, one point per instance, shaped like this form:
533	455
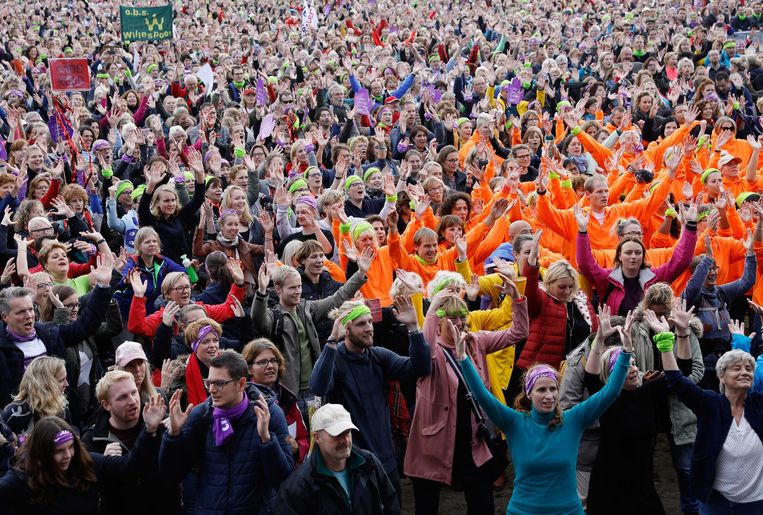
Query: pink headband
537	373
202	333
308	201
613	358
62	437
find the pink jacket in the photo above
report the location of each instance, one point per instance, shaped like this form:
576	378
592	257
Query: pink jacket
429	454
609	282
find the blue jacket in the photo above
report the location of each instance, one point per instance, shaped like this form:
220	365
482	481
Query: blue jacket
714	420
240	477
55	337
153	279
358	382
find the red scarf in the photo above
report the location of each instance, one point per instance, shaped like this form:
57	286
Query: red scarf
196	394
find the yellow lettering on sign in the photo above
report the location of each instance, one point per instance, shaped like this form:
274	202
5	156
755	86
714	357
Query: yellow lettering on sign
154	24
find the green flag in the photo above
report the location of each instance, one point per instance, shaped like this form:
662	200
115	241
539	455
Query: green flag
145	23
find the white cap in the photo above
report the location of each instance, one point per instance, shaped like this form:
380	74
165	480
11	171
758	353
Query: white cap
333	419
128	352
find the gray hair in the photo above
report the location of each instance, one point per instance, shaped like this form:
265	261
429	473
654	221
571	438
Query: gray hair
731	358
8	294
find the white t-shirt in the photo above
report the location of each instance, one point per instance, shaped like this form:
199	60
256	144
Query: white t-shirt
32	349
740	464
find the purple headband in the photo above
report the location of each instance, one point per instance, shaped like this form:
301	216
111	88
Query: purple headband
537	373
202	333
308	201
613	358
62	437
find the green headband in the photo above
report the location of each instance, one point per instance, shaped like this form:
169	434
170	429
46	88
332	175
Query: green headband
434	57
68	50
307	170
137	192
729	44
357	312
122	187
744	196
151	67
704	214
461	121
352	179
101	75
207	179
370	172
441	285
360	228
562	103
707	173
459	313
299	183
189	176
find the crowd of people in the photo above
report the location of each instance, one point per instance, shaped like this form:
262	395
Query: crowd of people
298	253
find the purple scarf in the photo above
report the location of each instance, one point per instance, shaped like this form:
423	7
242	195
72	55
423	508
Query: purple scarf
17	338
222	418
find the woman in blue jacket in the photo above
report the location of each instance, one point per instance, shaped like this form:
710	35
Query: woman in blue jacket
728	454
544	439
153	268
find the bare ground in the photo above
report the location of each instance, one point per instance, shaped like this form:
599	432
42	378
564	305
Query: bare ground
452	502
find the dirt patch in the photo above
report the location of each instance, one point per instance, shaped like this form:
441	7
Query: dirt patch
452	502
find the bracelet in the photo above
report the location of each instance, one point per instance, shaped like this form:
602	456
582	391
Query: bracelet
100	241
682	336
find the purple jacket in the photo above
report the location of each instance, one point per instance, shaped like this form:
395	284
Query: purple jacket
609	282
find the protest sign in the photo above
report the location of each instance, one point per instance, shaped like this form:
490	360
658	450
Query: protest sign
69	74
145	23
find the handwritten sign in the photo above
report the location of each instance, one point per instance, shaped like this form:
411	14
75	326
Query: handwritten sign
69	74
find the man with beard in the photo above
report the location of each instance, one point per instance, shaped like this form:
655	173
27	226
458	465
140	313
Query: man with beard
338	473
355	374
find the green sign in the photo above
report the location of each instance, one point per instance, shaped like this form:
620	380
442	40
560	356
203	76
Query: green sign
145	23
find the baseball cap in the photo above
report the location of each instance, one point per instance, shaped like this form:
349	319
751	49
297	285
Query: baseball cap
333	419
727	158
127	352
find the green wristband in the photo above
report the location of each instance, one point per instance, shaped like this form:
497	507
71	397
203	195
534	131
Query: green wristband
566	183
412	205
575	131
664	341
392	198
345	228
107	173
670	212
128	73
666	346
239	153
553	175
736	106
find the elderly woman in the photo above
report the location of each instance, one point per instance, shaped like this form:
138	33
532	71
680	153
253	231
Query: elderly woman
728	453
266	367
622	288
542	438
449	445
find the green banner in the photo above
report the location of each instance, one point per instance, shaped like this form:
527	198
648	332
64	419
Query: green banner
145	23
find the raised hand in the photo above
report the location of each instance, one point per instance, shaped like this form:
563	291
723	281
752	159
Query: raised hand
405	313
234	267
153	413
263	419
581	217
8	271
139	286
680	316
459	341
169	315
365	259
178	417
101	273
605	322
473	288
657	325
625	332
263	279
532	259
267	222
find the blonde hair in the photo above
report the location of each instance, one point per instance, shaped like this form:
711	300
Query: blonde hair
344	310
170	280
289	251
282	272
143	233
39	387
245	217
47	248
561	270
192	331
165	188
108	380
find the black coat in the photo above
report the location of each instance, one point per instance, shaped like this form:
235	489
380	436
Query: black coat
313	488
55	337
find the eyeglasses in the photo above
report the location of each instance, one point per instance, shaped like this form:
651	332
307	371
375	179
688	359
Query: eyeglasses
728	128
265	362
380	147
44	285
524	156
634	233
72	307
181	289
219	385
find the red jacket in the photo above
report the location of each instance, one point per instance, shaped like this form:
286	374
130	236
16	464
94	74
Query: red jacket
548	324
